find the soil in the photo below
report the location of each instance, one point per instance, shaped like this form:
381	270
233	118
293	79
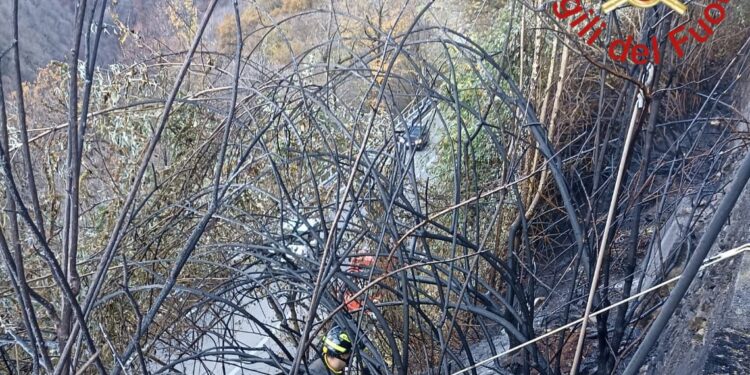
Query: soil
710	333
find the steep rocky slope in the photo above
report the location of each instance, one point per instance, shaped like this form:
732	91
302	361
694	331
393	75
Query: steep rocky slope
710	333
46	29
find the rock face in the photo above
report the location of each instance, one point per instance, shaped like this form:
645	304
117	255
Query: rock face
730	349
45	29
710	332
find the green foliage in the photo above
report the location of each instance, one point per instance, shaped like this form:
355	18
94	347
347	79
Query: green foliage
125	109
488	114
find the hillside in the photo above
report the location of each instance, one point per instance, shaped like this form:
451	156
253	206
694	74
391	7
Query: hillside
46	30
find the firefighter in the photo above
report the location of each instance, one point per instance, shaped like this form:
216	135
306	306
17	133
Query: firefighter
335	353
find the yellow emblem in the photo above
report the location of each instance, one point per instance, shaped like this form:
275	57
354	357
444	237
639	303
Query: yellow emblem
676	5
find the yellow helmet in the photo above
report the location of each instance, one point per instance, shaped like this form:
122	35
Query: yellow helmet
337	342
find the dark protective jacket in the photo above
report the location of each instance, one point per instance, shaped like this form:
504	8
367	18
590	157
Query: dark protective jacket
318	367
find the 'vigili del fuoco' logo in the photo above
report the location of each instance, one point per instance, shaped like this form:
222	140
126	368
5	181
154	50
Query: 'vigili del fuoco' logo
590	26
676	5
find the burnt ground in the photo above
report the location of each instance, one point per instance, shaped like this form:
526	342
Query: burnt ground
730	353
730	349
710	332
